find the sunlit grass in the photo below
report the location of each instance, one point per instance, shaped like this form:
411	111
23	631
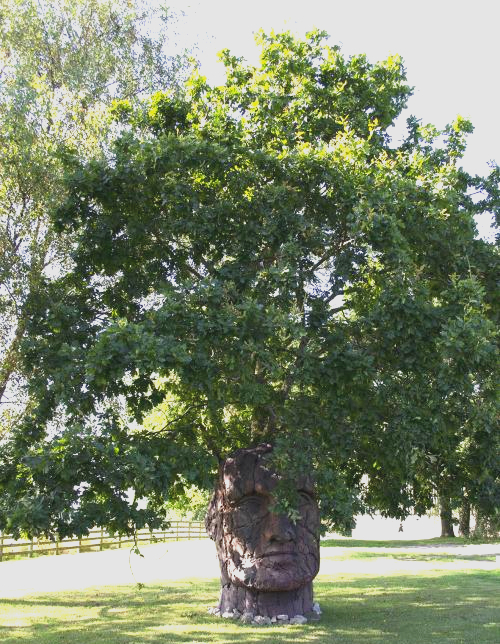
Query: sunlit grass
461	606
440	542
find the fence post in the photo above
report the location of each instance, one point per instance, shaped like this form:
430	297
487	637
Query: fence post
101	540
79	545
177	531
31	548
119	541
1	546
57	545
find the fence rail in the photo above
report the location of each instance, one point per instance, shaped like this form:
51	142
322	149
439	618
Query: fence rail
97	539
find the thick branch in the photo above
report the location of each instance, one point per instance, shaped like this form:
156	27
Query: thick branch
11	358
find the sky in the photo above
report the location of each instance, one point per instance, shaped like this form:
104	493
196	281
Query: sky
450	48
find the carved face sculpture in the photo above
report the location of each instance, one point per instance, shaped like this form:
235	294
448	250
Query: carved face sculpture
257	548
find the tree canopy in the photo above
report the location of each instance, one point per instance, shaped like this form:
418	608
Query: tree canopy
260	262
61	65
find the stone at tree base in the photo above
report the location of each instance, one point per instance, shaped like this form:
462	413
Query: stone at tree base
267	562
315	614
229	615
262	620
298	619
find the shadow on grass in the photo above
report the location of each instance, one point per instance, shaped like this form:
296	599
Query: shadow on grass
437	542
407	556
449	608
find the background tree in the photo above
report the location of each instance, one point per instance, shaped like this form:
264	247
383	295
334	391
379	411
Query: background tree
61	65
258	263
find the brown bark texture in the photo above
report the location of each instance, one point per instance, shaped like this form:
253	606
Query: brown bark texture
464	518
445	514
267	561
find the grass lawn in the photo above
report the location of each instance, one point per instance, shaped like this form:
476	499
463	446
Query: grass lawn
435	600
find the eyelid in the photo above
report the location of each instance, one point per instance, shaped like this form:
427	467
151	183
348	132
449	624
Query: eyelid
251	498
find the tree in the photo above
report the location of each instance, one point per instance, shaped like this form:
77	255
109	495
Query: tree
258	267
62	63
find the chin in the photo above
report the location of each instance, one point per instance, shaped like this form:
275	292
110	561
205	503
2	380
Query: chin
279	574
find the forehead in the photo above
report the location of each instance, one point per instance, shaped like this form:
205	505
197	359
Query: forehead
248	474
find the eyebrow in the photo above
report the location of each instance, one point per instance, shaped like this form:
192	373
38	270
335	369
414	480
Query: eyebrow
235	494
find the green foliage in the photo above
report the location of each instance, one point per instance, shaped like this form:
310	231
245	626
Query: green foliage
191	505
62	63
256	262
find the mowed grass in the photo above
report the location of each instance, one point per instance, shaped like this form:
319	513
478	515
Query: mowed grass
446	606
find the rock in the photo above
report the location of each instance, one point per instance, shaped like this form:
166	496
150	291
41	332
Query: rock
262	620
229	615
247	618
213	610
298	619
316	608
282	618
236	613
273	620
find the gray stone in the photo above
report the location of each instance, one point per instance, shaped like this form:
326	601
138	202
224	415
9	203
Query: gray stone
262	620
298	619
282	618
229	615
316	608
273	620
247	618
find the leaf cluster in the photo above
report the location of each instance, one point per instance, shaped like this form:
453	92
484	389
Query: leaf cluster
256	262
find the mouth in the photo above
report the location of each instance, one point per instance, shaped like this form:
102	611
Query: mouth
280	553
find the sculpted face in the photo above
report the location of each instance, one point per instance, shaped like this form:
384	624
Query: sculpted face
257	548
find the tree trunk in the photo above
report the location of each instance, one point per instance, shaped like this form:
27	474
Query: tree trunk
486	527
10	359
446	516
464	517
246	601
267	562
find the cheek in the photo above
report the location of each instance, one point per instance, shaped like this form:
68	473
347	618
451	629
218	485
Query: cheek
309	521
244	530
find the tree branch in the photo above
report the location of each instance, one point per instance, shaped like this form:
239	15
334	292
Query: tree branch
330	253
289	380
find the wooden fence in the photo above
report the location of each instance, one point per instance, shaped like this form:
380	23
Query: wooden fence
98	539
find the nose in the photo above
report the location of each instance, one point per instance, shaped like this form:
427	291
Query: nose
280	529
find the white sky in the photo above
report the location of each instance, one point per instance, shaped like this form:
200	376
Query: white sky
451	49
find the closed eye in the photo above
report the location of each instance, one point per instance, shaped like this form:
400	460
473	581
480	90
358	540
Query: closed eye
306	496
251	502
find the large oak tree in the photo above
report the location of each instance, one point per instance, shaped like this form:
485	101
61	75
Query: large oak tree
258	263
